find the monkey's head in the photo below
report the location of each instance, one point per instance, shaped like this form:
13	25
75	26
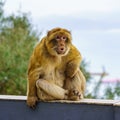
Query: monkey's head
58	41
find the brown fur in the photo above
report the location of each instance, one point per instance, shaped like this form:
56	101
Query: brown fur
53	71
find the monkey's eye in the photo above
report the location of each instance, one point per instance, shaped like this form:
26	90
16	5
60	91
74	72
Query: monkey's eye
57	37
64	38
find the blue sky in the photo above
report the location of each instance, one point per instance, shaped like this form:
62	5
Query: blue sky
95	26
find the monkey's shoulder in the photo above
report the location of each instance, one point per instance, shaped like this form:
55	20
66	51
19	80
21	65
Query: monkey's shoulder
73	53
39	49
40	44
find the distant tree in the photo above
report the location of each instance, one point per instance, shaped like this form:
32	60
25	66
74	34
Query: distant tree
1	13
83	68
112	92
17	39
95	85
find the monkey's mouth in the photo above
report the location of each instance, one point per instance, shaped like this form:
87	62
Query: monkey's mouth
61	50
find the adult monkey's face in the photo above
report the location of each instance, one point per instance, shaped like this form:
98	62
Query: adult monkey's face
58	41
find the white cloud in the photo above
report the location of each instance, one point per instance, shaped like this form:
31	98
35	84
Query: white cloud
114	31
63	7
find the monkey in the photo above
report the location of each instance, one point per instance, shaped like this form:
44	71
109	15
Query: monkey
53	70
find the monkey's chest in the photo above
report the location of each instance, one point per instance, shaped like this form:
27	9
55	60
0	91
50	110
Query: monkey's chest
55	76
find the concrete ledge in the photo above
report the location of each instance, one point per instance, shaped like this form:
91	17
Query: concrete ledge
12	97
86	101
15	108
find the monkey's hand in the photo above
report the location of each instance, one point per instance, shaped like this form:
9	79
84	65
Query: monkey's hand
72	68
74	95
31	101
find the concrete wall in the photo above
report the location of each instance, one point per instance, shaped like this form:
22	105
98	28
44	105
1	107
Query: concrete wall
15	108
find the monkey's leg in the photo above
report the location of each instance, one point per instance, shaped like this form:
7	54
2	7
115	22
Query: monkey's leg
31	87
50	91
31	95
76	86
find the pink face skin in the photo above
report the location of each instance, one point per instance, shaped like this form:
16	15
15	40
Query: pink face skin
61	41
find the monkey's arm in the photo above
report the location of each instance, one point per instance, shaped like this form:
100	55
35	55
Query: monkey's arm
72	68
73	63
34	72
33	76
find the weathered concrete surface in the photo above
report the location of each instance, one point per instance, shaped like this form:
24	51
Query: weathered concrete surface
15	108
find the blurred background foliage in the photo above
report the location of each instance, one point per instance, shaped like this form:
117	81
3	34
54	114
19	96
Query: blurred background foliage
17	40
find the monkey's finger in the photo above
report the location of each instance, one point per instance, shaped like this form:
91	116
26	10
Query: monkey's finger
76	92
33	107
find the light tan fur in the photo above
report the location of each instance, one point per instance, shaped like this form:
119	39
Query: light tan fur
53	71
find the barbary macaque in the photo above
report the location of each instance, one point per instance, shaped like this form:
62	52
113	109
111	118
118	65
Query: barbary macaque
53	72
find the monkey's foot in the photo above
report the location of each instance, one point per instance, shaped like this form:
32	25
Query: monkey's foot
75	95
31	101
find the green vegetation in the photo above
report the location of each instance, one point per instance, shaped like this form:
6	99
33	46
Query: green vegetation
17	39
